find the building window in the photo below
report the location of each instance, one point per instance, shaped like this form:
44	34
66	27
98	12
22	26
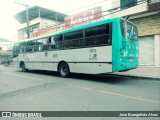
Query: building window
128	3
25	34
35	29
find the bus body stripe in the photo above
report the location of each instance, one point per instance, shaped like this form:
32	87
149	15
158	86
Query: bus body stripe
59	61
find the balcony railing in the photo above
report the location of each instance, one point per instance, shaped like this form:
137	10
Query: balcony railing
153	5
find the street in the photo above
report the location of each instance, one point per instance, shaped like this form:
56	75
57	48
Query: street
46	91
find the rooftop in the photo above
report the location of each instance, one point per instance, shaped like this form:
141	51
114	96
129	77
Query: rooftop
3	40
36	12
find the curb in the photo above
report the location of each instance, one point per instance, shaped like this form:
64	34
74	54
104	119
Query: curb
156	78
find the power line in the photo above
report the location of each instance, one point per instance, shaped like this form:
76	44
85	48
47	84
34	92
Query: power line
26	5
92	19
96	12
99	3
86	6
80	8
58	26
111	12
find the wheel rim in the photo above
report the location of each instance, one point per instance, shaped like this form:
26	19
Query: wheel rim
23	68
64	70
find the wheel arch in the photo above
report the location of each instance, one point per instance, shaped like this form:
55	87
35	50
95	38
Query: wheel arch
21	63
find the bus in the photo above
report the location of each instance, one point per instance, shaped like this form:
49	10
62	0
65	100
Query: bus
101	47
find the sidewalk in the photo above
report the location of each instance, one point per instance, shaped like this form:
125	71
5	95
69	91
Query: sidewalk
144	72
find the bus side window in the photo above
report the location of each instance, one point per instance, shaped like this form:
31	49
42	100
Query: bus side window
31	46
45	44
39	45
58	39
90	36
16	49
23	47
51	43
68	38
49	40
73	39
61	42
104	34
78	37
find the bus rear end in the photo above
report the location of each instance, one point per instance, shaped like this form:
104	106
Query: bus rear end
128	48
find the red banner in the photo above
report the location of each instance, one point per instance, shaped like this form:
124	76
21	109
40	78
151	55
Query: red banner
83	17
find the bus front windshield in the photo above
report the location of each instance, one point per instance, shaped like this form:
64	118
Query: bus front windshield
132	32
16	50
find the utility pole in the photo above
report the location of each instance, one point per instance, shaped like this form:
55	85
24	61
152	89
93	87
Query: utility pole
27	16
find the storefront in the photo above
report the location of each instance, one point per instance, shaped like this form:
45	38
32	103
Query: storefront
149	40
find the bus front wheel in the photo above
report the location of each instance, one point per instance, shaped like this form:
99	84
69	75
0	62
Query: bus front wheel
63	69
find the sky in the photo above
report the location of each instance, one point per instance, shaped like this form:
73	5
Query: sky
9	26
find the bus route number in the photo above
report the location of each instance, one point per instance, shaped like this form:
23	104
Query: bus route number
92	54
55	56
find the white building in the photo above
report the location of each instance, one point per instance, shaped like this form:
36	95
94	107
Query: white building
6	45
5	50
41	21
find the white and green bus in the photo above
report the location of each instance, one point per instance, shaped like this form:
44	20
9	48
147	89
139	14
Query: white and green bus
102	47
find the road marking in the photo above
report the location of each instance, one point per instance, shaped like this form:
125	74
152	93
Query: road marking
21	76
123	95
118	94
83	87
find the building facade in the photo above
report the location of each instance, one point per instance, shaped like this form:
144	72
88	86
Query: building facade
44	21
149	40
5	51
40	21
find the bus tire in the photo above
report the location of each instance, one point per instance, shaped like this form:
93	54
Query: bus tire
23	67
63	70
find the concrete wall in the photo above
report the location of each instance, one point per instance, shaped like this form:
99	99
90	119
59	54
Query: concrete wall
38	23
117	3
22	33
132	10
5	56
49	30
149	25
6	45
47	23
157	50
140	7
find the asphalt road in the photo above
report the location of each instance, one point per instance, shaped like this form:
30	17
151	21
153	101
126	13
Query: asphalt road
46	91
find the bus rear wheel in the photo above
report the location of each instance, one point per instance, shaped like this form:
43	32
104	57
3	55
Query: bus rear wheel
63	70
23	67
